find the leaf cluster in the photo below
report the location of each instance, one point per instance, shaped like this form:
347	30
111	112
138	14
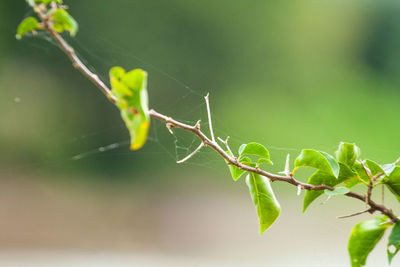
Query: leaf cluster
340	172
56	14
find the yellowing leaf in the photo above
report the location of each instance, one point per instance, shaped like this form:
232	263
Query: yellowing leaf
130	89
62	21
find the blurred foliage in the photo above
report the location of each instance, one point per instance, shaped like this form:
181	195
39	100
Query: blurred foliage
308	73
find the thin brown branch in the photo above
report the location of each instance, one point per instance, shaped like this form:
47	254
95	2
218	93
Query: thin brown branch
371	186
191	154
354	214
225	142
205	141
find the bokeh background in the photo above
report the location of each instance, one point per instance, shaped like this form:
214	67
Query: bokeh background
288	74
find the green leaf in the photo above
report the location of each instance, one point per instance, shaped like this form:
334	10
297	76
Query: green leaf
337	191
241	148
62	21
393	182
264	160
28	25
320	177
345	173
361	175
268	208
374	167
319	160
394	242
363	238
130	89
235	171
347	153
254	149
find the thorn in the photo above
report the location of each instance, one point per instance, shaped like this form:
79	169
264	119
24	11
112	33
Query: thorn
299	190
367	171
287	167
169	127
197	125
323	203
209	117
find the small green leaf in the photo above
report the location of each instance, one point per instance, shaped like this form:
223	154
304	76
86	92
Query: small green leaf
241	148
347	153
264	160
394	242
235	171
320	177
319	160
268	208
62	21
363	238
337	191
374	167
345	173
28	25
132	101
393	182
362	176
254	149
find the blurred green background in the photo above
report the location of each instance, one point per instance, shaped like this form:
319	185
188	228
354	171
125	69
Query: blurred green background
288	74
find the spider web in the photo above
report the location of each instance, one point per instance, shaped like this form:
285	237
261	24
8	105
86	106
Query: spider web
174	147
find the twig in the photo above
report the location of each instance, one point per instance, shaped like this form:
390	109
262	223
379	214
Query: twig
366	170
354	214
191	154
205	141
370	187
225	142
209	117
